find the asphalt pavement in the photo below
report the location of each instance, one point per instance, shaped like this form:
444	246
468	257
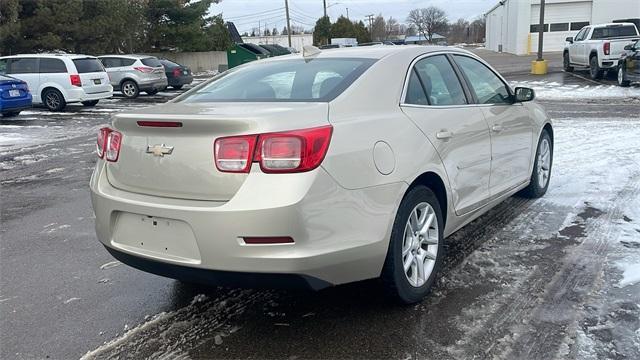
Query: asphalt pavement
531	279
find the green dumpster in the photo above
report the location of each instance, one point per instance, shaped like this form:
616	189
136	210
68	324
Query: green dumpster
244	53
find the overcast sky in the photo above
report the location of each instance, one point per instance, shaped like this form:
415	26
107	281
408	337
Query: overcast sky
246	14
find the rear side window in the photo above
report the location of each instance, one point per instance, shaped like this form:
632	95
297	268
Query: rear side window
23	66
111	62
152	62
613	32
440	81
127	62
415	90
285	80
488	87
52	66
88	65
3	66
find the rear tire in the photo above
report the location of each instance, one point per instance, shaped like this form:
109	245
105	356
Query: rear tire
130	89
152	92
567	63
90	103
594	69
622	76
10	113
53	100
421	247
541	174
177	87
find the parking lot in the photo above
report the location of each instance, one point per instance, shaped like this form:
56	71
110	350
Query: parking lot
556	277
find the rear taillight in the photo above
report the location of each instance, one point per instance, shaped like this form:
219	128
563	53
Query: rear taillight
281	152
108	144
177	72
103	134
606	48
75	80
144	69
234	154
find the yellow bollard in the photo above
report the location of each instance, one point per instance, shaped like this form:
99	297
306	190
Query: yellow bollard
539	67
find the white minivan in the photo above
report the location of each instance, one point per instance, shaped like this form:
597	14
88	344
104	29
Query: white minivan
58	79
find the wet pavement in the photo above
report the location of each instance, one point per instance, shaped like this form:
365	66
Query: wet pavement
550	278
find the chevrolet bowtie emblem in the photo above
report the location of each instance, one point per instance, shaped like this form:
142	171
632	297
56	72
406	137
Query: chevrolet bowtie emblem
159	150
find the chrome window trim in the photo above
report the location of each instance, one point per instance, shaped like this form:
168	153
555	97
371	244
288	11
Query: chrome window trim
403	95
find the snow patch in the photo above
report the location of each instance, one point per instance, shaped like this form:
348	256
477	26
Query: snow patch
630	274
554	91
110	265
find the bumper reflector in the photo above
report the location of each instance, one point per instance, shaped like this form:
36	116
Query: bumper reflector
268	240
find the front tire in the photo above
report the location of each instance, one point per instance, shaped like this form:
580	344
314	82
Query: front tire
130	89
541	173
594	69
622	76
54	100
90	103
416	248
567	63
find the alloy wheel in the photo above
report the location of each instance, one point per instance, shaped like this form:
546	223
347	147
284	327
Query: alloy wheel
544	162
53	100
129	89
420	244
620	75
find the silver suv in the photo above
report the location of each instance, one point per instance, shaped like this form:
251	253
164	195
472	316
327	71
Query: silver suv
134	73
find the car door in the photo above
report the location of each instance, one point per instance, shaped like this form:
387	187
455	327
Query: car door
436	100
510	126
53	71
581	47
26	69
112	65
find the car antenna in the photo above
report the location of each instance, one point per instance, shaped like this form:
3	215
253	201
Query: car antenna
309	51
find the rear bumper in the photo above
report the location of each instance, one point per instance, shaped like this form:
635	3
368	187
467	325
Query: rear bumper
182	80
78	95
15	104
340	235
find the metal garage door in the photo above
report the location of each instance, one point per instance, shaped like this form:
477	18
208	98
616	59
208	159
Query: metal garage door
559	18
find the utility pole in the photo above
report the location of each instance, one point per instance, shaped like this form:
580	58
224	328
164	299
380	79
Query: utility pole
370	18
286	6
347	13
541	30
324	3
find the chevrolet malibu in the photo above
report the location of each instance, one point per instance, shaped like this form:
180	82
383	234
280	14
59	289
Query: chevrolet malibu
319	169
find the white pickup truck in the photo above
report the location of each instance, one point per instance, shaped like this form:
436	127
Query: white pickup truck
599	47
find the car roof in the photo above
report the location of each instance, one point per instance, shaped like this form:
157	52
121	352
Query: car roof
50	55
128	56
376	52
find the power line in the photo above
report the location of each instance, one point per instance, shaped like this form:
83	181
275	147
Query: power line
301	14
257	14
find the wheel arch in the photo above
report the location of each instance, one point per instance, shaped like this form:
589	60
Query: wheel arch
52	87
434	182
593	53
128	79
548	128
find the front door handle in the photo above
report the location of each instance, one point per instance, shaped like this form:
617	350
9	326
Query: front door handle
444	135
497	128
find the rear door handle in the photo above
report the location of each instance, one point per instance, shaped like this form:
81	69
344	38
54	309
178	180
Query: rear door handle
444	135
497	128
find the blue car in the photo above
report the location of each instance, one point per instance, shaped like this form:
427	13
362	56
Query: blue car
14	96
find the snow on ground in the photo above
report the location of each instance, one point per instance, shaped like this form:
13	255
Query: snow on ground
551	90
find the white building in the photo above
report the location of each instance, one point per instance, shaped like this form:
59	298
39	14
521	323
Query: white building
512	25
297	41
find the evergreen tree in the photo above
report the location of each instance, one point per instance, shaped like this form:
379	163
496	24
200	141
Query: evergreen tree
322	32
343	28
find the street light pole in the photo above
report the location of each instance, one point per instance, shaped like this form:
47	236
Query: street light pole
286	6
541	31
324	3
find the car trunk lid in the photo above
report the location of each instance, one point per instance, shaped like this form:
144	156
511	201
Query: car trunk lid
178	162
93	77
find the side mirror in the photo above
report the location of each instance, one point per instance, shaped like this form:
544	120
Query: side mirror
569	39
524	94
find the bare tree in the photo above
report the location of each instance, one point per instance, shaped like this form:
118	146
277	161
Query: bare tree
393	27
379	29
428	21
459	32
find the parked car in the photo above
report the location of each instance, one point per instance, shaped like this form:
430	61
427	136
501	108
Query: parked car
629	65
14	96
598	47
56	80
132	74
177	75
315	171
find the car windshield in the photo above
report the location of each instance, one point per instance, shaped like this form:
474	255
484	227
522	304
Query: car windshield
300	80
151	61
613	32
88	65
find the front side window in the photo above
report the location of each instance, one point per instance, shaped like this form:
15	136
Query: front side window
52	66
486	85
284	80
440	81
3	66
582	34
24	66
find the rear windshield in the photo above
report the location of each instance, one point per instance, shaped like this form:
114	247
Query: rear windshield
613	32
88	65
317	80
168	63
153	62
